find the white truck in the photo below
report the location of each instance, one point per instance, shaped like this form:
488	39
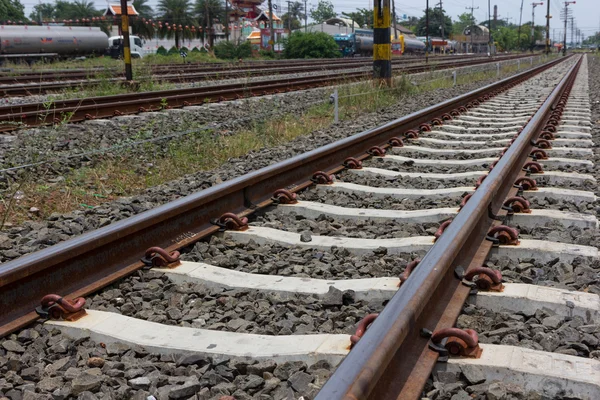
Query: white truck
115	46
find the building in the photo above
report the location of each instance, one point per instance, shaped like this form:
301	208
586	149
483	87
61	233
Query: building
263	24
475	39
114	10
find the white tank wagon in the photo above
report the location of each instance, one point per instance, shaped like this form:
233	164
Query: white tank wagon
54	41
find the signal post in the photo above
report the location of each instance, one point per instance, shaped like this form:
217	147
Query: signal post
382	44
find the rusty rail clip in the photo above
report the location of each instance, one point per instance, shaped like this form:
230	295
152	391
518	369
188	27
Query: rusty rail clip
504	235
232	222
159	257
362	327
457	342
56	307
488	280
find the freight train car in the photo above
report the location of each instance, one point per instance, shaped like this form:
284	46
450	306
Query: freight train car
413	46
361	43
21	42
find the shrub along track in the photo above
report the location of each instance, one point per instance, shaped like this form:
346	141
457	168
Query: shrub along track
420	302
13	117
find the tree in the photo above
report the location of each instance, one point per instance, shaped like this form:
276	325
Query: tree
140	27
294	16
42	11
362	16
12	10
76	10
177	14
310	45
323	12
437	18
216	12
464	20
506	38
289	20
84	9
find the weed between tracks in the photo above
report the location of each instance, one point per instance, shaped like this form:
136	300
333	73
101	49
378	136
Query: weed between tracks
104	178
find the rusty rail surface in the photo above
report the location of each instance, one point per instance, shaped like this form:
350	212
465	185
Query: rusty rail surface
393	359
86	263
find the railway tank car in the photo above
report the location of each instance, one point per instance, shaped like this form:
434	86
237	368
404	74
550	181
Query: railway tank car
413	46
361	43
57	41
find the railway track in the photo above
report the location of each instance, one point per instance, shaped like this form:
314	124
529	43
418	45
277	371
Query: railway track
19	77
33	85
338	247
13	117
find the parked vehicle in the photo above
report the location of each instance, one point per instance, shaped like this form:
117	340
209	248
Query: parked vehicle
39	43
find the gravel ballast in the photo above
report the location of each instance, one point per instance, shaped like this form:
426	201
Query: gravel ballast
36	235
37	363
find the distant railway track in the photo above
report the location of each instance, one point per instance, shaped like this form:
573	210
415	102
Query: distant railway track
396	355
32	84
14	117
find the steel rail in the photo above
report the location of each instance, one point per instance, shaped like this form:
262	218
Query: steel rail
69	74
93	260
30	85
13	117
392	360
37	87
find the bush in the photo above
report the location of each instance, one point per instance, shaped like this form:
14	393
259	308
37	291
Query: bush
173	50
229	51
161	51
195	50
267	53
310	45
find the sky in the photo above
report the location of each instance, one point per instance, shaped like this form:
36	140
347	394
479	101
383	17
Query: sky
586	12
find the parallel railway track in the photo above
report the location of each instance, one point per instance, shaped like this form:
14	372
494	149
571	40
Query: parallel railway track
210	70
394	358
13	117
29	85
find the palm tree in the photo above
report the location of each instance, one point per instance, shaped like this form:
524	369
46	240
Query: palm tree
177	14
207	12
296	10
84	9
138	25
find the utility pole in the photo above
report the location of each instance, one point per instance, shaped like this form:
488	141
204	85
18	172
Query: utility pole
382	46
394	15
126	42
534	5
489	29
472	30
272	36
441	19
289	16
427	32
226	20
206	21
566	17
548	16
306	18
572	29
519	32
